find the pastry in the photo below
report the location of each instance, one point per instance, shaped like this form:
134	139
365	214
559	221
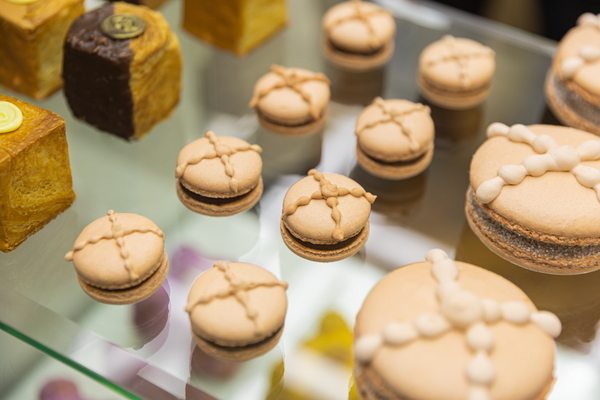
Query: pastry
394	138
35	173
358	36
449	330
153	4
534	197
291	101
33	33
456	73
236	25
120	258
237	311
219	176
573	81
122	69
325	217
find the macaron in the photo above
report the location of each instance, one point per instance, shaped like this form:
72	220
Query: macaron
120	258
326	217
237	311
534	197
292	101
573	81
394	138
456	73
448	330
219	175
358	36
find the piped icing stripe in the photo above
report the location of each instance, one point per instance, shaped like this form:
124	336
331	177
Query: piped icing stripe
292	80
11	117
396	117
221	151
330	193
239	288
551	157
117	233
587	54
463	311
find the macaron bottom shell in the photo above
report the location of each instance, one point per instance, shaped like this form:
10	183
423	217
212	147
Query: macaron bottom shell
453	100
133	294
307	129
358	62
394	171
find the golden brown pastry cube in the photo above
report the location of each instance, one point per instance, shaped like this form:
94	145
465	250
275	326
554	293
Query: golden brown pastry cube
31	45
237	25
35	174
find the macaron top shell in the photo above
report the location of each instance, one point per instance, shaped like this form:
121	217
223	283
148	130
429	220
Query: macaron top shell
395	130
357	26
457	63
236	304
314	222
219	166
117	251
555	203
522	355
291	96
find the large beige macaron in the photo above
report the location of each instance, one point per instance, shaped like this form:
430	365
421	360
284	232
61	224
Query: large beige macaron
326	217
394	138
449	330
219	175
358	36
573	81
120	258
292	101
237	311
456	73
534	197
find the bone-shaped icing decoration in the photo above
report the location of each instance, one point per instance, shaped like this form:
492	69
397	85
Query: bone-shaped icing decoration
431	325
480	337
397	333
491	310
480	369
462	309
447	289
516	312
589	53
570	66
478	393
548	322
366	348
589	19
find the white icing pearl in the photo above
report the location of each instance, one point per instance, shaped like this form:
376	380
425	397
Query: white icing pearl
516	312
481	370
570	66
446	289
444	270
491	310
489	190
480	337
512	174
398	333
497	129
479	393
548	322
566	157
587	19
589	53
538	165
520	133
431	325
587	176
366	347
462	309
435	255
589	150
543	143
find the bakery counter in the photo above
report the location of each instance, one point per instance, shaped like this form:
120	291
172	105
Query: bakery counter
146	350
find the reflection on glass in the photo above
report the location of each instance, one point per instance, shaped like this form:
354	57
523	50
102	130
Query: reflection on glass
203	365
454	127
151	316
349	87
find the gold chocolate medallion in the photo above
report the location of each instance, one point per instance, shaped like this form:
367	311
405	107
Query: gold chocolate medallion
123	26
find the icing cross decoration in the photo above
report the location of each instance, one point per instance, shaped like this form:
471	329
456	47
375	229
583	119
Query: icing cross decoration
237	287
330	193
222	151
396	117
117	233
551	157
460	58
463	311
292	80
360	14
587	54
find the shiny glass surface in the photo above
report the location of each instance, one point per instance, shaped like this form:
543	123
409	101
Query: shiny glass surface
146	350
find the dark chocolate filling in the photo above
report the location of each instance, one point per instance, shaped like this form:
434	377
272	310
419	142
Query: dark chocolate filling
213	200
325	247
281	123
356	53
233	348
96	75
576	103
394	163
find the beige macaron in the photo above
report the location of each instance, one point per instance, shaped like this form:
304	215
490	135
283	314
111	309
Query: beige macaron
394	138
358	36
448	330
120	258
219	175
237	311
534	197
326	217
292	101
573	81
456	73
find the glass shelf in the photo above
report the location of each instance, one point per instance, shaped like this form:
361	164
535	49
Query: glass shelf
146	350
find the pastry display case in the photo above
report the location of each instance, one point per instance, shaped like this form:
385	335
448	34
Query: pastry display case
146	350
